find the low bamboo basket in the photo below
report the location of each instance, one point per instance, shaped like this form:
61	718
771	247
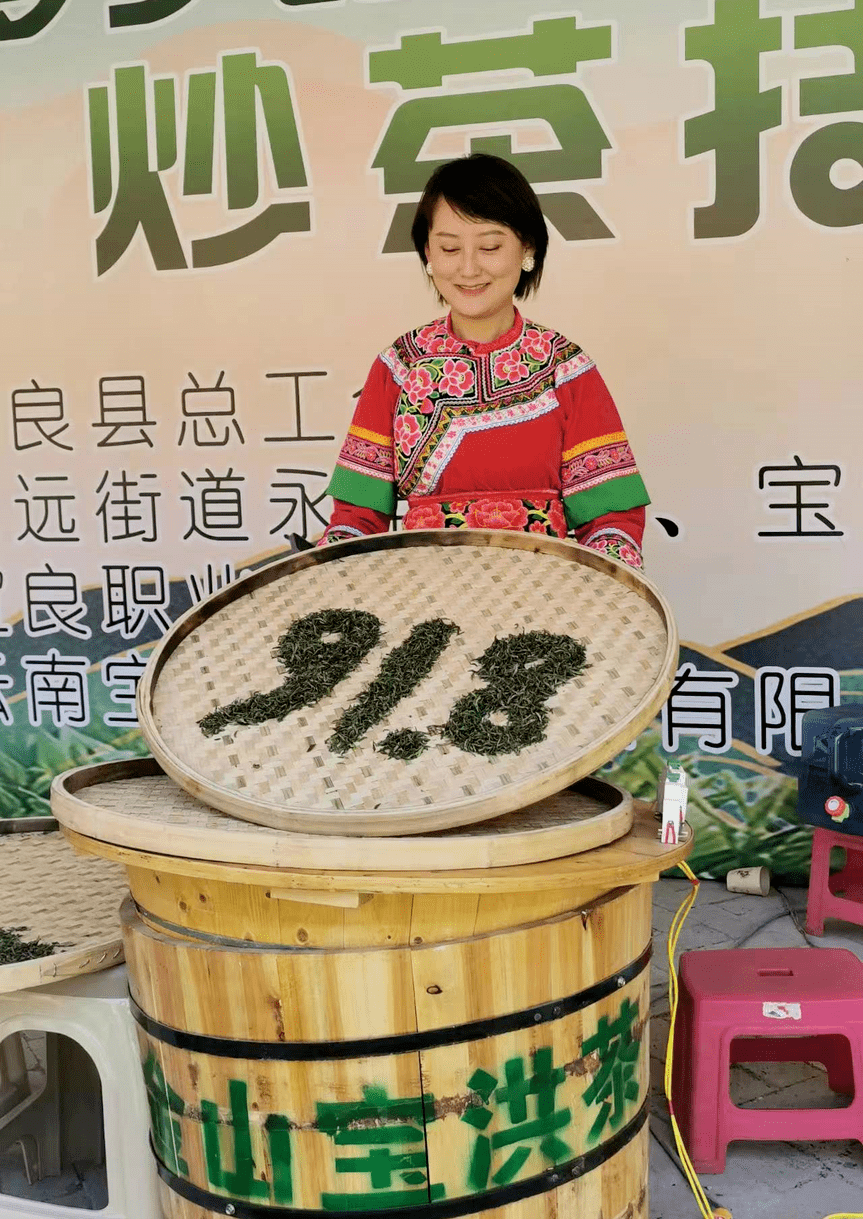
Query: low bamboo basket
51	897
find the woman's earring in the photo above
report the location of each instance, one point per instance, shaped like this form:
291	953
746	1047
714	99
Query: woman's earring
528	263
429	271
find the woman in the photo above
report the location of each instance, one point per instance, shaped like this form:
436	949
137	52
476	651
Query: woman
483	419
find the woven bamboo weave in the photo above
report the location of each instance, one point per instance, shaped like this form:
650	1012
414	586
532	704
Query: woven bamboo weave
57	897
134	804
283	773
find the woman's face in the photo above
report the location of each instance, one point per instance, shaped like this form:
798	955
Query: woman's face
476	265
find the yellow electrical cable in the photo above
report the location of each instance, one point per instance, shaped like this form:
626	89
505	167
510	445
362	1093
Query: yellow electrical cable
677	922
695	1185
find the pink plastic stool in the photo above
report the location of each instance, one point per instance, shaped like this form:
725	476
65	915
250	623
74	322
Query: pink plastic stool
765	1005
824	901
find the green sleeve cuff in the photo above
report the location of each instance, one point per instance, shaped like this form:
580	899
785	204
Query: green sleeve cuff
363	490
616	495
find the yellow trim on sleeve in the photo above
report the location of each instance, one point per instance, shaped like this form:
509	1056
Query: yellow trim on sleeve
597	442
364	434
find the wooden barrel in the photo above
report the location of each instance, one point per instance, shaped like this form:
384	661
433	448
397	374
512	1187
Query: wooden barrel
317	1040
454	1053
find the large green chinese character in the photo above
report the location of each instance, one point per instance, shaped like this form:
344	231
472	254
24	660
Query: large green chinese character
143	12
524	1128
614	1083
163	1102
139	200
278	1130
814	193
30	24
832	94
239	1181
386	1129
733	45
553	47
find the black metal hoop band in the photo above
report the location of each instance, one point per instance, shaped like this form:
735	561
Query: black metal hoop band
401	1043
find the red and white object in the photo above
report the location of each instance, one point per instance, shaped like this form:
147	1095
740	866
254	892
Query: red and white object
671	800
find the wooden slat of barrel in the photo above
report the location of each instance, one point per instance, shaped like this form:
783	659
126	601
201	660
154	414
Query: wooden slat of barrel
547	1009
223	909
619	1192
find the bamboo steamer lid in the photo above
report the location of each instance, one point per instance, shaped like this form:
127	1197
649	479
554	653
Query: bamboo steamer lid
134	804
284	773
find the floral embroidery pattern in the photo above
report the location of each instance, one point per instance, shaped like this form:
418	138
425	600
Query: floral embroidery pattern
407	433
452	391
537	343
458	378
501	512
436	340
426	516
496	514
617	546
596	466
510	368
568	370
364	456
418	385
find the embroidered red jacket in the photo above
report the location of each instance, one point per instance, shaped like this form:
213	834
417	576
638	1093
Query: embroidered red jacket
494	434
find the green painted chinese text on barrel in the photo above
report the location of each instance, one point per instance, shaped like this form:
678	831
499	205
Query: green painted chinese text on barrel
460	1052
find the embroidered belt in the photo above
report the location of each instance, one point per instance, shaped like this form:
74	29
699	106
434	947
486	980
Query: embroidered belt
522	511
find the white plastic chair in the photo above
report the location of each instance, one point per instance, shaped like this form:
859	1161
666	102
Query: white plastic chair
91	1010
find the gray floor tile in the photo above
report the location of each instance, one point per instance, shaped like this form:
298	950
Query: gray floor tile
804	1094
781	933
668	894
840	935
740	920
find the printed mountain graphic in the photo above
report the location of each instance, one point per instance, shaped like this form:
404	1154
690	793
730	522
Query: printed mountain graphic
829	636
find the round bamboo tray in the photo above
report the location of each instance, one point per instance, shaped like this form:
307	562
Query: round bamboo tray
134	804
50	895
285	771
469	1042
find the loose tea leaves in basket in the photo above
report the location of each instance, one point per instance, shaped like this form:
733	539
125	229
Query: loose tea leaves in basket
317	652
13	948
521	673
400	673
404	744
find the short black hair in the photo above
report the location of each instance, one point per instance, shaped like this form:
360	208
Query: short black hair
484	187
